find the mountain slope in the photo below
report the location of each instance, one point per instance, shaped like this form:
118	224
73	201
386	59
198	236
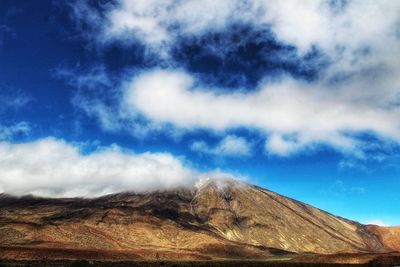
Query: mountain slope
390	236
216	219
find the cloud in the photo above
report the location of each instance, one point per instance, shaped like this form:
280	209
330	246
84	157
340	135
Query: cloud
360	36
13	100
340	187
6	32
9	132
377	222
357	93
294	114
99	94
52	167
158	23
279	145
375	155
301	23
231	146
94	94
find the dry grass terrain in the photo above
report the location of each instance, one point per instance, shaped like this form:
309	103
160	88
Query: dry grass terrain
390	236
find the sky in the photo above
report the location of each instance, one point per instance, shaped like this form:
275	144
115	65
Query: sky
300	97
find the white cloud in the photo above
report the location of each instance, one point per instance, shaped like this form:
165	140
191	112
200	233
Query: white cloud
281	146
231	145
302	23
295	114
356	35
377	222
51	167
360	38
235	146
151	21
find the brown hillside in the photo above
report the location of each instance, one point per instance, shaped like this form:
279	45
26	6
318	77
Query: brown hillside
216	219
389	236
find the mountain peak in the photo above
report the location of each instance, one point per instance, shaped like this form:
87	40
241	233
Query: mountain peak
217	183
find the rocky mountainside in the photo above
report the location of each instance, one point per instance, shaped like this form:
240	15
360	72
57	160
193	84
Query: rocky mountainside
215	219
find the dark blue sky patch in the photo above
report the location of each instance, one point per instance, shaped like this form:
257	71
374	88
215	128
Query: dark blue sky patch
28	61
118	58
242	56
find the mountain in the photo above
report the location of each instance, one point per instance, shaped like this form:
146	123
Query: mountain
213	220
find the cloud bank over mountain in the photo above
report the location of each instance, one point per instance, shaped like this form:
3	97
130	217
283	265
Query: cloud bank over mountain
55	168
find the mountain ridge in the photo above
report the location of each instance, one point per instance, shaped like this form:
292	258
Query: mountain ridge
219	219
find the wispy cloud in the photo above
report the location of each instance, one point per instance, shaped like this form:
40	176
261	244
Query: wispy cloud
6	32
9	132
377	222
96	94
230	146
375	153
340	187
13	100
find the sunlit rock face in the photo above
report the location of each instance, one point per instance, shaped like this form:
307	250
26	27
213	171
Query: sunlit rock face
213	219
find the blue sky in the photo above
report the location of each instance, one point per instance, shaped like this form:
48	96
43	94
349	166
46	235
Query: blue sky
300	97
